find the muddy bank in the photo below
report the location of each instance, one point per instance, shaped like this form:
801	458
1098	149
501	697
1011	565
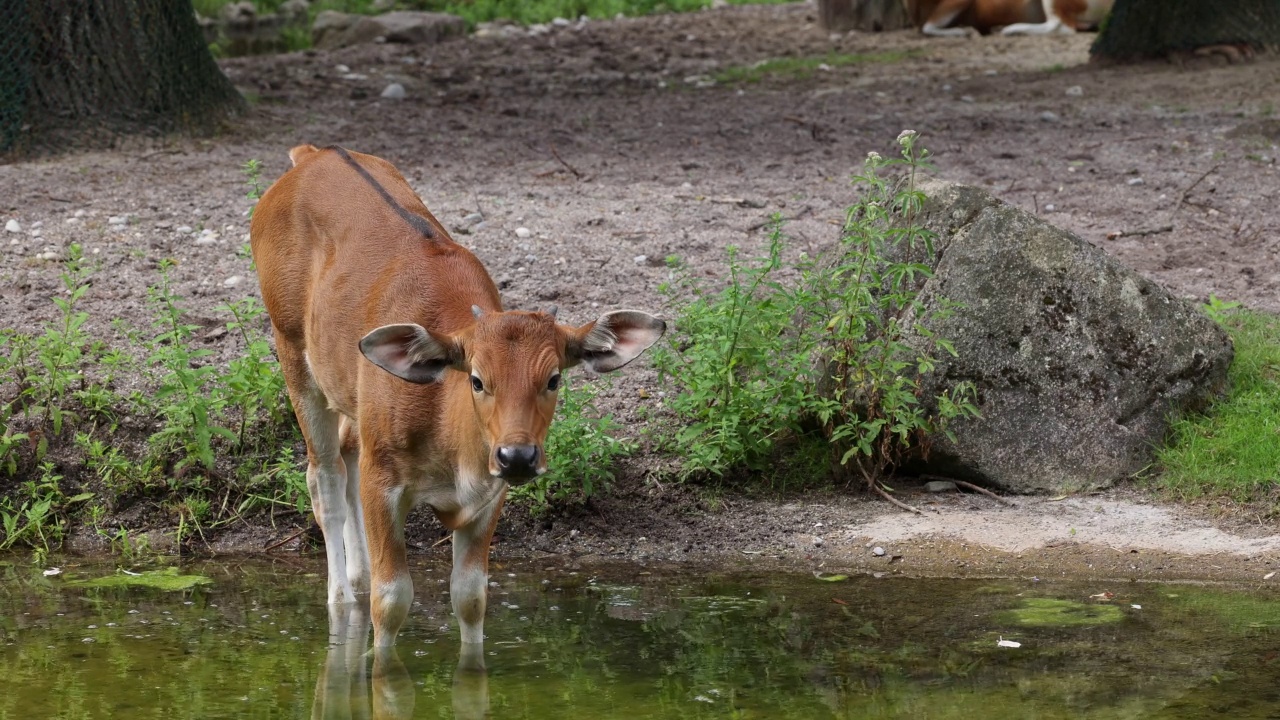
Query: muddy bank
1116	536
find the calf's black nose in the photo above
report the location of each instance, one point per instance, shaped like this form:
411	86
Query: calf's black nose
517	460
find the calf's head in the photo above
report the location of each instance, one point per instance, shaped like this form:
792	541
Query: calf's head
512	362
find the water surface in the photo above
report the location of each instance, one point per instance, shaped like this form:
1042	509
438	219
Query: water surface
633	643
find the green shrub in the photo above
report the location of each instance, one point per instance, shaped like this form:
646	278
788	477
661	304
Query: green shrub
185	404
843	347
744	373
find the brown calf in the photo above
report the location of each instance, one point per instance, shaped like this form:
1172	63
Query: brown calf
409	381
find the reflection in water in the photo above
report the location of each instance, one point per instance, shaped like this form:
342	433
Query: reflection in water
343	687
618	644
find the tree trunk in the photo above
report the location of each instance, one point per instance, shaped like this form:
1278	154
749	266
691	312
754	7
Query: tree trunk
1152	28
865	15
82	72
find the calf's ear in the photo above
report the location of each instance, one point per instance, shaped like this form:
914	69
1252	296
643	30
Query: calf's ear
613	340
411	352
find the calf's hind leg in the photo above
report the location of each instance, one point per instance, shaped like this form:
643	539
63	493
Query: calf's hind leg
353	529
326	471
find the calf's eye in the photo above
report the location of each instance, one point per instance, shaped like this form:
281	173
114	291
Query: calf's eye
477	384
554	383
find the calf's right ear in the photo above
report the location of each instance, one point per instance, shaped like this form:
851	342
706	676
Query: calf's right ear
411	352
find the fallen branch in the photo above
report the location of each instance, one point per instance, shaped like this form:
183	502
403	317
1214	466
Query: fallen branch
1139	233
970	486
885	494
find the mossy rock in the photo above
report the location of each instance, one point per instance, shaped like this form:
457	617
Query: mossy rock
167	580
1049	612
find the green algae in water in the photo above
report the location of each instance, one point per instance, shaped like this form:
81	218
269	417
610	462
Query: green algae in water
167	580
1051	612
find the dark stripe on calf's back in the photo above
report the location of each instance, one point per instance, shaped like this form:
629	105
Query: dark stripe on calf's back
418	222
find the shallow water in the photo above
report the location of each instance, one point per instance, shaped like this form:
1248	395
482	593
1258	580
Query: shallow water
635	643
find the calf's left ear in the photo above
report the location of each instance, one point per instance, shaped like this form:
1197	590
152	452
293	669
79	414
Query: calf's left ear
613	340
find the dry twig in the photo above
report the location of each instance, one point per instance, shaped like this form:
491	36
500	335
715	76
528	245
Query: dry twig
559	159
294	536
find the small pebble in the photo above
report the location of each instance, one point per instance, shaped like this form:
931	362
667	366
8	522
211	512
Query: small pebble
939	486
184	229
817	541
394	91
524	232
1268	576
877	551
1136	181
12	226
966	98
342	69
232	281
1050	207
640	259
117	220
1075	91
1047	116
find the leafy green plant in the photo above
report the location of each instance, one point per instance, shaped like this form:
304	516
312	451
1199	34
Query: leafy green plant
59	352
38	519
252	383
252	169
744	375
117	471
129	546
878	345
278	482
185	406
583	448
846	346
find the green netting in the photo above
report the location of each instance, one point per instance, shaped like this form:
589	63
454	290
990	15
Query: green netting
82	73
1151	28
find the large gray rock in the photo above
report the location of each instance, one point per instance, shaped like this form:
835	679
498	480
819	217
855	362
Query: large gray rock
1079	361
334	30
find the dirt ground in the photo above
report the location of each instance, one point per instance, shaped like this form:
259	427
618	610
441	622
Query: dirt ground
612	145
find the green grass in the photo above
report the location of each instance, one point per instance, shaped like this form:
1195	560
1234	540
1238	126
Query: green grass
805	66
476	11
1234	451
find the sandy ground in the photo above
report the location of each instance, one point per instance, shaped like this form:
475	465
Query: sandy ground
612	147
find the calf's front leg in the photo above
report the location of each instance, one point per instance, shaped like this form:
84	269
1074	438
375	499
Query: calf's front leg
469	582
385	509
